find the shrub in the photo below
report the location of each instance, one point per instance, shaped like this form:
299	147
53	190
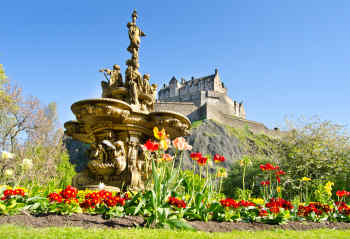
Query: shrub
319	150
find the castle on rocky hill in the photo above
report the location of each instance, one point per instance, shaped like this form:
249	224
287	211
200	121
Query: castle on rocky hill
206	98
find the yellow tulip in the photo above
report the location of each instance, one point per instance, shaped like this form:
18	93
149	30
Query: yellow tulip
160	135
164	144
278	189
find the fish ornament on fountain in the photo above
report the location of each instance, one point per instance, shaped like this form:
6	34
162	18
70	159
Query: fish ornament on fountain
118	124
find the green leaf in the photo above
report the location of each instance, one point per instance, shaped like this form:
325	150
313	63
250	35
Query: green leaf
179	224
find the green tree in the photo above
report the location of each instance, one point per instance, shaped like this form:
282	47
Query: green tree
316	149
30	130
312	148
2	73
4	99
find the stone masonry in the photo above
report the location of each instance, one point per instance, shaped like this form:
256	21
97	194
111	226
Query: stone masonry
198	92
206	98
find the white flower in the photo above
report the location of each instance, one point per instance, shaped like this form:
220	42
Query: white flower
188	147
7	155
101	186
180	144
8	172
27	164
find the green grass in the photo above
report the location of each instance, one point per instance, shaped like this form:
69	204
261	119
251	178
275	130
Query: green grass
209	134
196	124
259	143
10	231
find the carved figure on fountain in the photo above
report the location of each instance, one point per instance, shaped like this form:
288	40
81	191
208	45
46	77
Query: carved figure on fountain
115	78
133	81
149	94
146	87
135	174
120	157
135	33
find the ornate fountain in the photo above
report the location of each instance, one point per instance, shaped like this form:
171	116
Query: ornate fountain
117	124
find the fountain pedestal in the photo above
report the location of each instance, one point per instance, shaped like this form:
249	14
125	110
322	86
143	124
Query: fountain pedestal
118	124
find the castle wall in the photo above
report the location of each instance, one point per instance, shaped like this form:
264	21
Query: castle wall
206	98
197	98
224	103
188	90
195	85
218	114
188	109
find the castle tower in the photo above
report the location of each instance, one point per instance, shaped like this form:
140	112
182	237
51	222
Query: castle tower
218	85
174	87
199	97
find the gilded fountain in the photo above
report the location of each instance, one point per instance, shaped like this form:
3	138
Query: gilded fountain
119	123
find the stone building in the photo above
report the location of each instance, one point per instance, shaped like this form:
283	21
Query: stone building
191	97
206	98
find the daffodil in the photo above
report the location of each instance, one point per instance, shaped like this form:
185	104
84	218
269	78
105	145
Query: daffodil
305	179
222	173
245	161
328	187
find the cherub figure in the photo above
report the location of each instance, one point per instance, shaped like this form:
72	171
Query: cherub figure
115	77
120	157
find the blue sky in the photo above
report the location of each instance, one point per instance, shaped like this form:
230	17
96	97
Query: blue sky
282	58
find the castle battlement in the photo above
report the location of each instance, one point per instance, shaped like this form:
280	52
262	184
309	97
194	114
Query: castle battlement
183	90
199	92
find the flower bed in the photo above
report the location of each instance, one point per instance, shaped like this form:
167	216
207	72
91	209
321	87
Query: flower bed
110	205
174	196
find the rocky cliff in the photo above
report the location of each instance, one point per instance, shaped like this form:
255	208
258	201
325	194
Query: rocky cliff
210	137
207	137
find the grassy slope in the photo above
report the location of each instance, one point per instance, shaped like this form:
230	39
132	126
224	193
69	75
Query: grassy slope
10	231
196	124
252	143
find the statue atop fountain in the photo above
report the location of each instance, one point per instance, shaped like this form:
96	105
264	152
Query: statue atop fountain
136	90
118	124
